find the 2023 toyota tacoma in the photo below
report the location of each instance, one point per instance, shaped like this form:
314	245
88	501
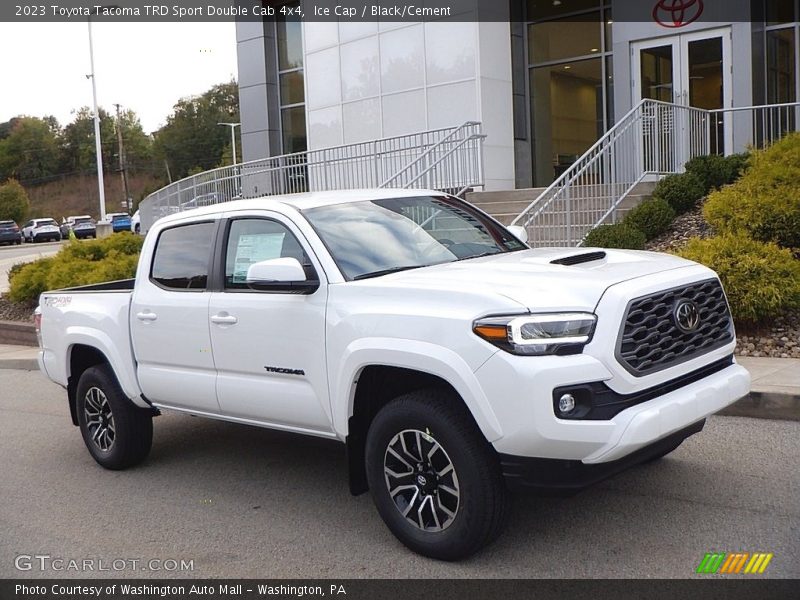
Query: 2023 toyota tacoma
452	360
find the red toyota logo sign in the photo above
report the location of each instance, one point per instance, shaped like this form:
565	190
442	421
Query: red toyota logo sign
677	13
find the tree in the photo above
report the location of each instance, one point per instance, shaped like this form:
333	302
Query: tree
30	148
192	138
14	203
78	149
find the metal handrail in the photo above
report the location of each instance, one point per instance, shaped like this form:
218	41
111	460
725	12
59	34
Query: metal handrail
430	150
654	138
458	165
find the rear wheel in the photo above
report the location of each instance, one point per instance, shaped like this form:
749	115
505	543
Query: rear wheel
434	478
117	433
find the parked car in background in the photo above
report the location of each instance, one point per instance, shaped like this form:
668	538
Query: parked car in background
41	230
120	222
136	226
10	233
83	226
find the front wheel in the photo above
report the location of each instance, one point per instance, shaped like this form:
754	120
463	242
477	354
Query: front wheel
434	478
117	433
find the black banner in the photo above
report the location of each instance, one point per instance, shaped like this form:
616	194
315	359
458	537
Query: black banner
252	589
669	13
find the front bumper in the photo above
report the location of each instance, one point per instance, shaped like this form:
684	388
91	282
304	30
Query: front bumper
520	391
552	476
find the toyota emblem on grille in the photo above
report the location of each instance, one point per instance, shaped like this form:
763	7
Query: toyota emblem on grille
687	316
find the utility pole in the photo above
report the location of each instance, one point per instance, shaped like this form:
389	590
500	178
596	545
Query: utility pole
123	167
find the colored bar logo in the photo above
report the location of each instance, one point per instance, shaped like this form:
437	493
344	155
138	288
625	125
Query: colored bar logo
735	562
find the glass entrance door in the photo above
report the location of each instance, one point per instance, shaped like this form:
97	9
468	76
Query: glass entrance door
690	70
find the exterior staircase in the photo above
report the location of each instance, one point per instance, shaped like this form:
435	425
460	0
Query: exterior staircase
505	206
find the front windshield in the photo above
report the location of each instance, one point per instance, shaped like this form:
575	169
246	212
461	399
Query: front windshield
372	238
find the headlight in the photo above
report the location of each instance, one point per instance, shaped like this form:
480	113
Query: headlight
556	333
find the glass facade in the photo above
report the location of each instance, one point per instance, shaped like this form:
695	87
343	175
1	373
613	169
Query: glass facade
570	79
781	41
292	96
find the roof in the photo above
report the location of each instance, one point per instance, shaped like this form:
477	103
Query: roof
306	200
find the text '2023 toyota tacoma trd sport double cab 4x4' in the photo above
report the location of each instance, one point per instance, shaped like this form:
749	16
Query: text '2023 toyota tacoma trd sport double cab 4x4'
452	360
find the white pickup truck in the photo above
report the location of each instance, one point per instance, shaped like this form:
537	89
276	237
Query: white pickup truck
452	360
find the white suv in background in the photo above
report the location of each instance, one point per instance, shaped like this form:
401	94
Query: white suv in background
39	230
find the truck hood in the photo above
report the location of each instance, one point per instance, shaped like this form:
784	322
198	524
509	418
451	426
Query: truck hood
532	278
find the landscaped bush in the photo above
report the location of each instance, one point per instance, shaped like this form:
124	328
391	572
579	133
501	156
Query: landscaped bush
681	191
765	201
619	235
715	170
78	263
760	279
652	217
14	203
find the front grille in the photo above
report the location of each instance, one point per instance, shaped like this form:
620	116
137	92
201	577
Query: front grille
650	339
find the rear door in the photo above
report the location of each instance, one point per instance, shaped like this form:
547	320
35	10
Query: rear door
269	347
169	321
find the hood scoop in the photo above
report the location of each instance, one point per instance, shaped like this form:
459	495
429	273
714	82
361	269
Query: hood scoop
577	259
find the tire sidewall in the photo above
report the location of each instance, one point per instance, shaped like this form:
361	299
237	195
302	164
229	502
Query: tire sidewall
455	541
121	409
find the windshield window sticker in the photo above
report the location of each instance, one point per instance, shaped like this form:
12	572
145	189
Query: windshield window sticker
255	248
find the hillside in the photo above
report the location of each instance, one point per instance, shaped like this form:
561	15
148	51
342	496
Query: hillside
77	194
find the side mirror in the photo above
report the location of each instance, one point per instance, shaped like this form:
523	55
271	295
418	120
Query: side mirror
519	232
280	275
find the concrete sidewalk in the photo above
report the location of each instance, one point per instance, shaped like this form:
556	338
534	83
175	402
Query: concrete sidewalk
775	391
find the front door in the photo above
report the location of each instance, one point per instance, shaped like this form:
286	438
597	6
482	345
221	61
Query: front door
269	347
691	70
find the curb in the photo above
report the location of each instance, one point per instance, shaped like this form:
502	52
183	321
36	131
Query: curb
19	364
765	405
18	333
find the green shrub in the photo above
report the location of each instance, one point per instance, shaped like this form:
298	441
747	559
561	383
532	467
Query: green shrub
765	201
760	279
681	191
715	171
78	263
30	280
652	217
14	203
619	235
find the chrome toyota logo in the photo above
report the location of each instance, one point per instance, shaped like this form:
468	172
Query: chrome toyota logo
687	316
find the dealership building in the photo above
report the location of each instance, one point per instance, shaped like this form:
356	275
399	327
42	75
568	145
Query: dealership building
545	78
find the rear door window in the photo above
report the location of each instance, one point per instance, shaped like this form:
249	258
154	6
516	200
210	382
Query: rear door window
182	256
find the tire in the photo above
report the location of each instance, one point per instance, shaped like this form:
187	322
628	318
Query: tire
137	229
438	422
129	442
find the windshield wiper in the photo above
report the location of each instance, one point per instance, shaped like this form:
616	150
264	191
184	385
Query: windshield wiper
490	253
386	271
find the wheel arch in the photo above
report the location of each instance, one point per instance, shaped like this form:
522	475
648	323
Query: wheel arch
375	384
81	358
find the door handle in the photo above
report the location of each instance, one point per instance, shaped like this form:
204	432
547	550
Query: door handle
224	319
146	316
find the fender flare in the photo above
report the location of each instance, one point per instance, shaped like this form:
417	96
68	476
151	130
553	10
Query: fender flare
101	342
415	355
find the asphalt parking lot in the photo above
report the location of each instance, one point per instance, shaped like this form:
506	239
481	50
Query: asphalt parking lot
244	502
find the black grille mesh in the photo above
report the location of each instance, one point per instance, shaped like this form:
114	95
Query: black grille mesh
651	341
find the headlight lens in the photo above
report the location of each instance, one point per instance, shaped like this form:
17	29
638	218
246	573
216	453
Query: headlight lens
554	333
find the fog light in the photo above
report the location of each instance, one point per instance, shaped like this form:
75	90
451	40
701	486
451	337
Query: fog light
566	403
